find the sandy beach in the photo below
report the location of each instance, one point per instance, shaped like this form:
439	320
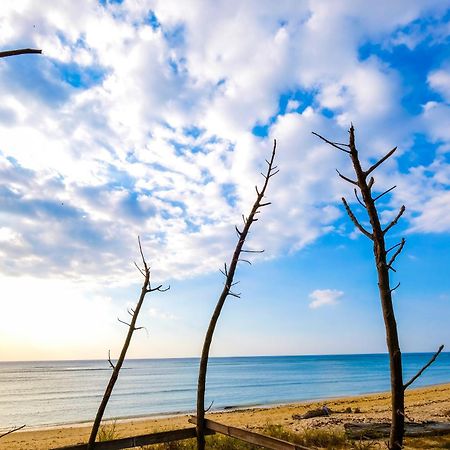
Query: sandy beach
422	404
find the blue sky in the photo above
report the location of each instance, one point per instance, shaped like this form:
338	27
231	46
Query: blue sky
154	118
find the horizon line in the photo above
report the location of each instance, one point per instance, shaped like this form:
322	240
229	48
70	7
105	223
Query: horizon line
216	357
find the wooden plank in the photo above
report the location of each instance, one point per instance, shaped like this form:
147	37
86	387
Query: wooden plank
250	436
137	441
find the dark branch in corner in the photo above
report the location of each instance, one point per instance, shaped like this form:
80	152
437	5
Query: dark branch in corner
12	430
422	370
22	51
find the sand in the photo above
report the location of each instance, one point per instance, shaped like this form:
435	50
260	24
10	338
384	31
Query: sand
429	403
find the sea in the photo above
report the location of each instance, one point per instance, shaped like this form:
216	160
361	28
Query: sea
50	393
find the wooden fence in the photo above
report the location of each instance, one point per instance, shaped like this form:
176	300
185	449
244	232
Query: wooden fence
189	433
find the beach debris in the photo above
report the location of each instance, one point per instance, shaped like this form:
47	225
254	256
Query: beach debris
318	412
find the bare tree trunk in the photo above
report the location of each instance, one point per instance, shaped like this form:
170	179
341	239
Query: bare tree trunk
229	275
146	288
379	251
383	266
22	51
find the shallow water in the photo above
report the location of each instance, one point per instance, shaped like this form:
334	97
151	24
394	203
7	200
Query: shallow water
56	392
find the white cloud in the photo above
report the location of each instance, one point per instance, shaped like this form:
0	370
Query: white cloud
324	297
439	80
160	143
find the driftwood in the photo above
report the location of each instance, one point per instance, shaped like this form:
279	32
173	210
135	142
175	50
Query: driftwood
319	412
382	429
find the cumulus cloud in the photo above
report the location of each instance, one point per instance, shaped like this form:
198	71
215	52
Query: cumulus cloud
139	119
324	297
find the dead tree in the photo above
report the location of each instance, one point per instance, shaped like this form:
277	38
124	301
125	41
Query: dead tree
383	265
146	288
22	51
228	273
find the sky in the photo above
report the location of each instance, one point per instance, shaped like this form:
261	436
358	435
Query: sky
153	118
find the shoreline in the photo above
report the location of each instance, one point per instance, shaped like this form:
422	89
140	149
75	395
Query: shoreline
423	403
226	409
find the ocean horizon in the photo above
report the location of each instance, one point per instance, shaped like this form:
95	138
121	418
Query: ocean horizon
50	393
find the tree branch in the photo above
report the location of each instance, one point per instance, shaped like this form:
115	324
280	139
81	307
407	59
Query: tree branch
422	370
400	248
394	222
385	192
381	161
355	220
392	248
333	144
359	200
21	51
109	360
346	179
12	430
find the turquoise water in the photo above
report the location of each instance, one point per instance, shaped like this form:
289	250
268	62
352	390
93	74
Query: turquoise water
56	392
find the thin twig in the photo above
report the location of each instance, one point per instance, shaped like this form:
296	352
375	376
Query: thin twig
422	370
346	178
355	220
394	222
392	248
381	161
385	192
125	323
359	200
400	248
109	360
333	144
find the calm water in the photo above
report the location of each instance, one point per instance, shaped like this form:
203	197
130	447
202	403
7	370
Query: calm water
55	392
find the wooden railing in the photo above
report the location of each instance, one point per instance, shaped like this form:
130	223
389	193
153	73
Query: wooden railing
250	436
188	433
138	441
